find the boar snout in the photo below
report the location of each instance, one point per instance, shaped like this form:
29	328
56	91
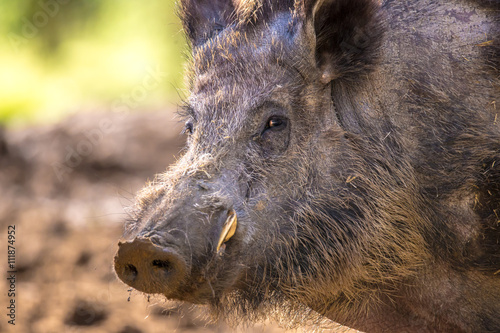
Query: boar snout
160	260
148	267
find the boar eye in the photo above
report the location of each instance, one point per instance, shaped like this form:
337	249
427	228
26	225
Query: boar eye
276	123
188	128
275	137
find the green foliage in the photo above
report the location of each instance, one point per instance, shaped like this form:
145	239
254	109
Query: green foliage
61	56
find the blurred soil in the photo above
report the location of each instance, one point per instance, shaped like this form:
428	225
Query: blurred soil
66	187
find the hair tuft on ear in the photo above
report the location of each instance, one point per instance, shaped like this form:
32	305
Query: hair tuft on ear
204	19
348	36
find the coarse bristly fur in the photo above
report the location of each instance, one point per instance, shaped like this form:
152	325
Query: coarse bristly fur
358	143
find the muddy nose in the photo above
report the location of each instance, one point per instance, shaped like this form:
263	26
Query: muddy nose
148	267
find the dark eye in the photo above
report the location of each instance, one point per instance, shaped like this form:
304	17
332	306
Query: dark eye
275	136
188	128
276	123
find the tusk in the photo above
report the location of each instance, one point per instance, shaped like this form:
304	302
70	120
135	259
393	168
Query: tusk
228	229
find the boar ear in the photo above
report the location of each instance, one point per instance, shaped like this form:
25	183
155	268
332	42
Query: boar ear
348	35
203	19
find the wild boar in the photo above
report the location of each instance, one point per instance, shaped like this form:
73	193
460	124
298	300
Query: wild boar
343	159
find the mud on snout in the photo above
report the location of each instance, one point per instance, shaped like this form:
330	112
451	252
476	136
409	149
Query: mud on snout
185	252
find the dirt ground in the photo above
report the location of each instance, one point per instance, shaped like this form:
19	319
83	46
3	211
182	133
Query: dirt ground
65	188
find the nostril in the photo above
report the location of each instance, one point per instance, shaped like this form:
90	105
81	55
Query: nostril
148	267
162	264
130	272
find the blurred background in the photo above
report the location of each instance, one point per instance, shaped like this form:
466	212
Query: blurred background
88	93
63	56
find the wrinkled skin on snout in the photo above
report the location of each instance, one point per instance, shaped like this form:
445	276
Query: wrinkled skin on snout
340	163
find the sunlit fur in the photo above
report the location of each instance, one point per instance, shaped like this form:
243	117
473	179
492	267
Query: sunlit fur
382	212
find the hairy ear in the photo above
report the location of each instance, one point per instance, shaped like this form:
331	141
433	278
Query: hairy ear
203	19
348	35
